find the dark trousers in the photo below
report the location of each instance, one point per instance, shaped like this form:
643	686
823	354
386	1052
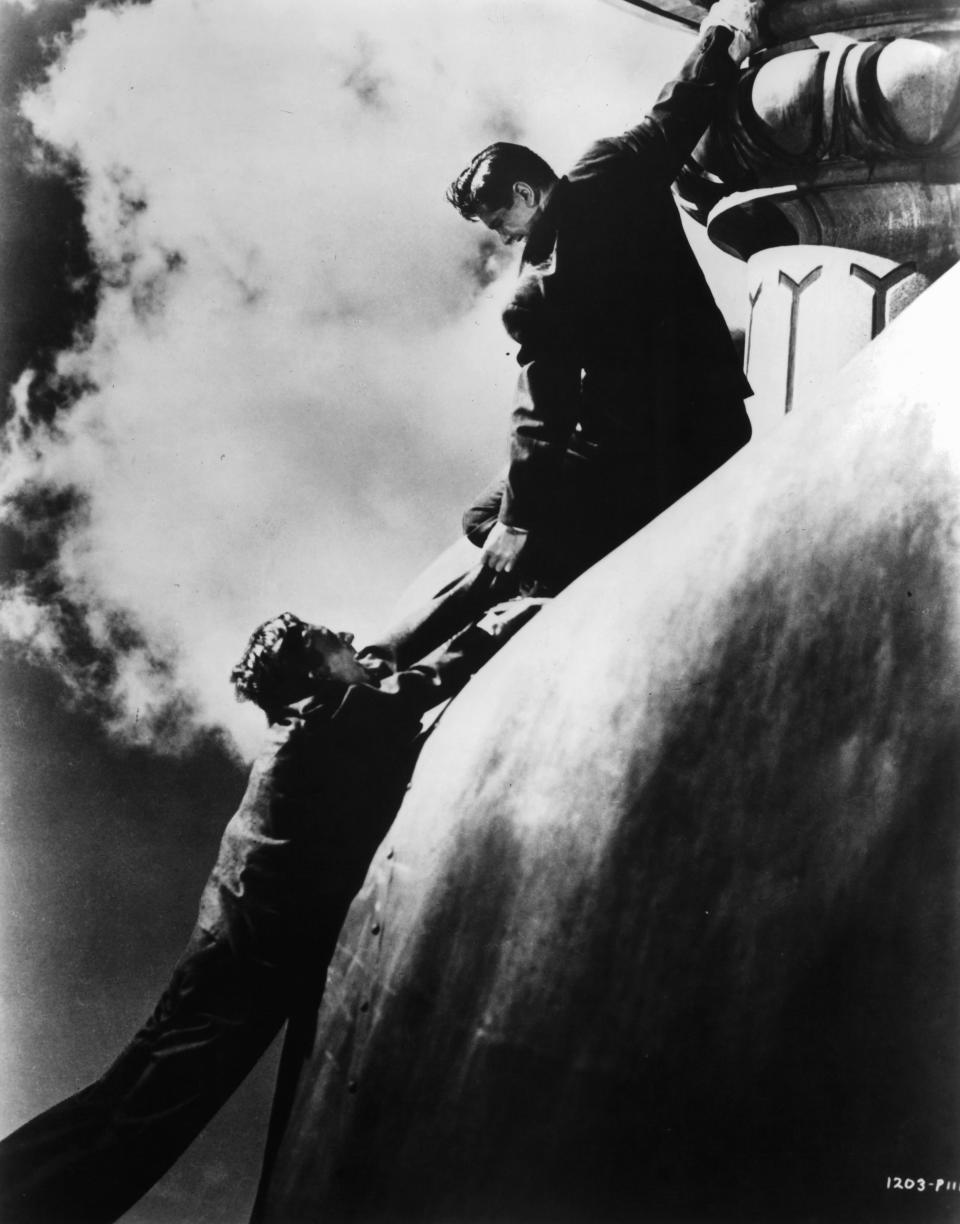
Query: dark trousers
269	919
90	1157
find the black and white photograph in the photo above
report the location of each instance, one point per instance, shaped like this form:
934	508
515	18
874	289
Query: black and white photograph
479	612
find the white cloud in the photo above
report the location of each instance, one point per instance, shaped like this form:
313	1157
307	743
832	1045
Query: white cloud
299	383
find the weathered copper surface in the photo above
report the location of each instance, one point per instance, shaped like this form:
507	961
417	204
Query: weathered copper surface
852	104
668	927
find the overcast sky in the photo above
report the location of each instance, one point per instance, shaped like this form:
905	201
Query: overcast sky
288	377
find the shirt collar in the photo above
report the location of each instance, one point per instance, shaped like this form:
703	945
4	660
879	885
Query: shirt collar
543	233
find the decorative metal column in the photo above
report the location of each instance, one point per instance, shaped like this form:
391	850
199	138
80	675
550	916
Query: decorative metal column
836	173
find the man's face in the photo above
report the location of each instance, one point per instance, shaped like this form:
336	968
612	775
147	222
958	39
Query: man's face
328	654
513	224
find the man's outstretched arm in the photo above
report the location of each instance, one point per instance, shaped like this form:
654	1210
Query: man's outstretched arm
441	675
671	130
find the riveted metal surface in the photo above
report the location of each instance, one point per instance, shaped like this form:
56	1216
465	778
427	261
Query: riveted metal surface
671	928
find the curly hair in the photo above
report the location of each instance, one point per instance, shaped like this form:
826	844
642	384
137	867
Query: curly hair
256	675
488	181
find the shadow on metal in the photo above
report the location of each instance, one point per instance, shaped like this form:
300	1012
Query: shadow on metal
667	928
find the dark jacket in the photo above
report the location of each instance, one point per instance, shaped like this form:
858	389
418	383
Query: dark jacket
619	334
321	795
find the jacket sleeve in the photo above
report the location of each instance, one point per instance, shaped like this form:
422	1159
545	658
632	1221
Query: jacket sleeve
671	130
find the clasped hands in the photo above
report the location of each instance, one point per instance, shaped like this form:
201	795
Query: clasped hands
743	18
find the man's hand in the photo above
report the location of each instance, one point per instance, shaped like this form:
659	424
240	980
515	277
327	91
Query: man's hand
743	18
503	547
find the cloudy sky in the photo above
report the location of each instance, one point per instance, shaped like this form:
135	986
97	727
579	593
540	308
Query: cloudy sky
252	361
294	377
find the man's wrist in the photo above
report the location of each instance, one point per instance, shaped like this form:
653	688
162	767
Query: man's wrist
513	529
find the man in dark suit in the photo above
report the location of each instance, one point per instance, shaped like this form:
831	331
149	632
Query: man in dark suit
630	389
342	741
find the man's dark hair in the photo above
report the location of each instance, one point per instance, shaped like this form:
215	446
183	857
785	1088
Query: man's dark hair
256	677
487	182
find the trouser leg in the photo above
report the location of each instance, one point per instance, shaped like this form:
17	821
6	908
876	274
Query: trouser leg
89	1158
270	913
